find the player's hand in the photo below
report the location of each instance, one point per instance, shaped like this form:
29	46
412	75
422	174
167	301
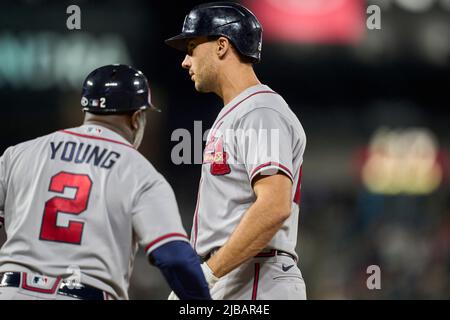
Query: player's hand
173	296
209	276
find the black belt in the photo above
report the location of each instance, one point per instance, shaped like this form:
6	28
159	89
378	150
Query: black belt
262	254
274	252
79	291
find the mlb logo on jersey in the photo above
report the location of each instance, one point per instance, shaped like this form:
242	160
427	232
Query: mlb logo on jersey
39	283
40	280
94	130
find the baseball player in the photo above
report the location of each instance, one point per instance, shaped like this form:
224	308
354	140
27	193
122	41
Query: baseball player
246	218
76	203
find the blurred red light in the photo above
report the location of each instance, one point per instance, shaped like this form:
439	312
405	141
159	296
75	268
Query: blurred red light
310	21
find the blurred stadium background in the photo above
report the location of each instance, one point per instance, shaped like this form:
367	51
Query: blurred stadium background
374	104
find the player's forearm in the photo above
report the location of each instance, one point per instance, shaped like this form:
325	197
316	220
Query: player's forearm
258	226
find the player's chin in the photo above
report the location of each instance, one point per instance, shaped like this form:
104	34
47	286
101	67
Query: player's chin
201	88
198	86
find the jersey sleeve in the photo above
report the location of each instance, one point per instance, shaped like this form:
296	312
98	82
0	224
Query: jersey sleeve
2	189
155	216
265	143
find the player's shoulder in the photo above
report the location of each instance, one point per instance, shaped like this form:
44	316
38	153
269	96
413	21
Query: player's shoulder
135	169
267	104
26	145
264	100
138	161
269	108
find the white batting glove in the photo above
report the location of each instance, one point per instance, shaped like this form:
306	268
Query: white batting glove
209	276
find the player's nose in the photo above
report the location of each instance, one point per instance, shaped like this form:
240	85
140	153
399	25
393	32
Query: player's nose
186	64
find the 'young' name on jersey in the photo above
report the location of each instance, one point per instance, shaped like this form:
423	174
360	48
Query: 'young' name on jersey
70	151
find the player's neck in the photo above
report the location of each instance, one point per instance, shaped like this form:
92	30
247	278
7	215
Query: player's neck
233	81
121	130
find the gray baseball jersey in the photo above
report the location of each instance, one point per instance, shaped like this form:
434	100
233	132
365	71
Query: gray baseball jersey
83	197
256	133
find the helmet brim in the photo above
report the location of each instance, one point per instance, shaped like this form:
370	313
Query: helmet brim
150	106
153	108
119	111
179	42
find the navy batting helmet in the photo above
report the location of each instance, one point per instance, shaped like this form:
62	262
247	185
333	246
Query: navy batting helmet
227	19
115	89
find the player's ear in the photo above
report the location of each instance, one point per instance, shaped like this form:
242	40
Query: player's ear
137	119
222	47
134	120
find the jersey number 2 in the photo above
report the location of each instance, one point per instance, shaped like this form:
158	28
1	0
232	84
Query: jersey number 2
50	231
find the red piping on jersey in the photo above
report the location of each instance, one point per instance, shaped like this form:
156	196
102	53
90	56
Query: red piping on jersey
27	287
213	133
196	215
233	107
170	235
255	282
299	186
270	164
96	138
